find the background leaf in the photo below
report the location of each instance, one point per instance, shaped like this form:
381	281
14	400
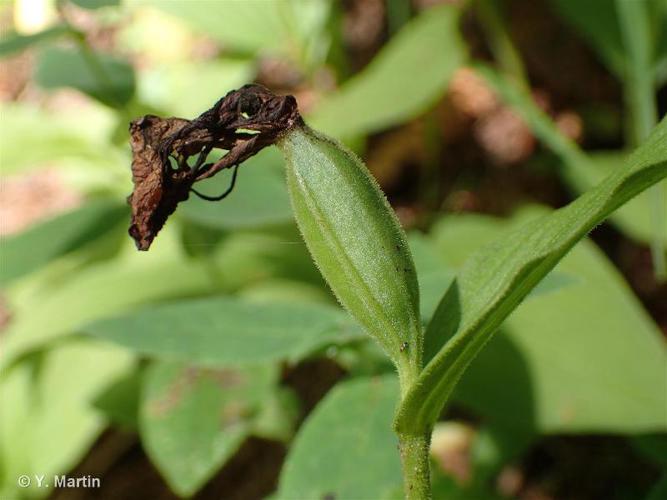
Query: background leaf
597	21
95	4
288	28
659	489
63	139
192	420
580	170
259	200
553	366
119	401
46	310
226	331
345	449
14	42
189	88
402	81
106	78
27	251
246	259
47	422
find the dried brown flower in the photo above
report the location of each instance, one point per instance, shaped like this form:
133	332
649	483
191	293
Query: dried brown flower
242	123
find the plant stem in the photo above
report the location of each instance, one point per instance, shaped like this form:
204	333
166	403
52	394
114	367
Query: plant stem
415	461
641	106
504	51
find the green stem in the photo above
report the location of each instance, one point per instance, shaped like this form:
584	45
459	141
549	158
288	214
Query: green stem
415	462
641	106
414	448
500	43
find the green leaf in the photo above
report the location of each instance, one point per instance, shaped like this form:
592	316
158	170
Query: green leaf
495	280
14	42
95	4
660	25
245	259
549	374
193	420
119	401
580	170
260	199
436	270
634	218
356	241
601	23
108	79
285	290
634	18
597	21
46	421
433	274
290	28
346	449
226	331
653	447
46	309
189	88
659	489
278	415
410	73
27	251
64	139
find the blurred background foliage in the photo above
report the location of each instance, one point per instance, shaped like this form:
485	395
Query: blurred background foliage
203	367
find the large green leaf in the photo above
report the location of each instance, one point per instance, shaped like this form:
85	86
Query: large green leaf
47	422
409	74
496	279
345	449
554	366
226	331
193	420
259	200
45	309
105	78
27	251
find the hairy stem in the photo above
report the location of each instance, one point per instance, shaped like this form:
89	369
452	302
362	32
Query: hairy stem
415	461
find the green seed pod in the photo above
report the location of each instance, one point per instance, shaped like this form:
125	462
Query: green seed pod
356	241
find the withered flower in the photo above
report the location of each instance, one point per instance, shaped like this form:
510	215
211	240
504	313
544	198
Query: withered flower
242	123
